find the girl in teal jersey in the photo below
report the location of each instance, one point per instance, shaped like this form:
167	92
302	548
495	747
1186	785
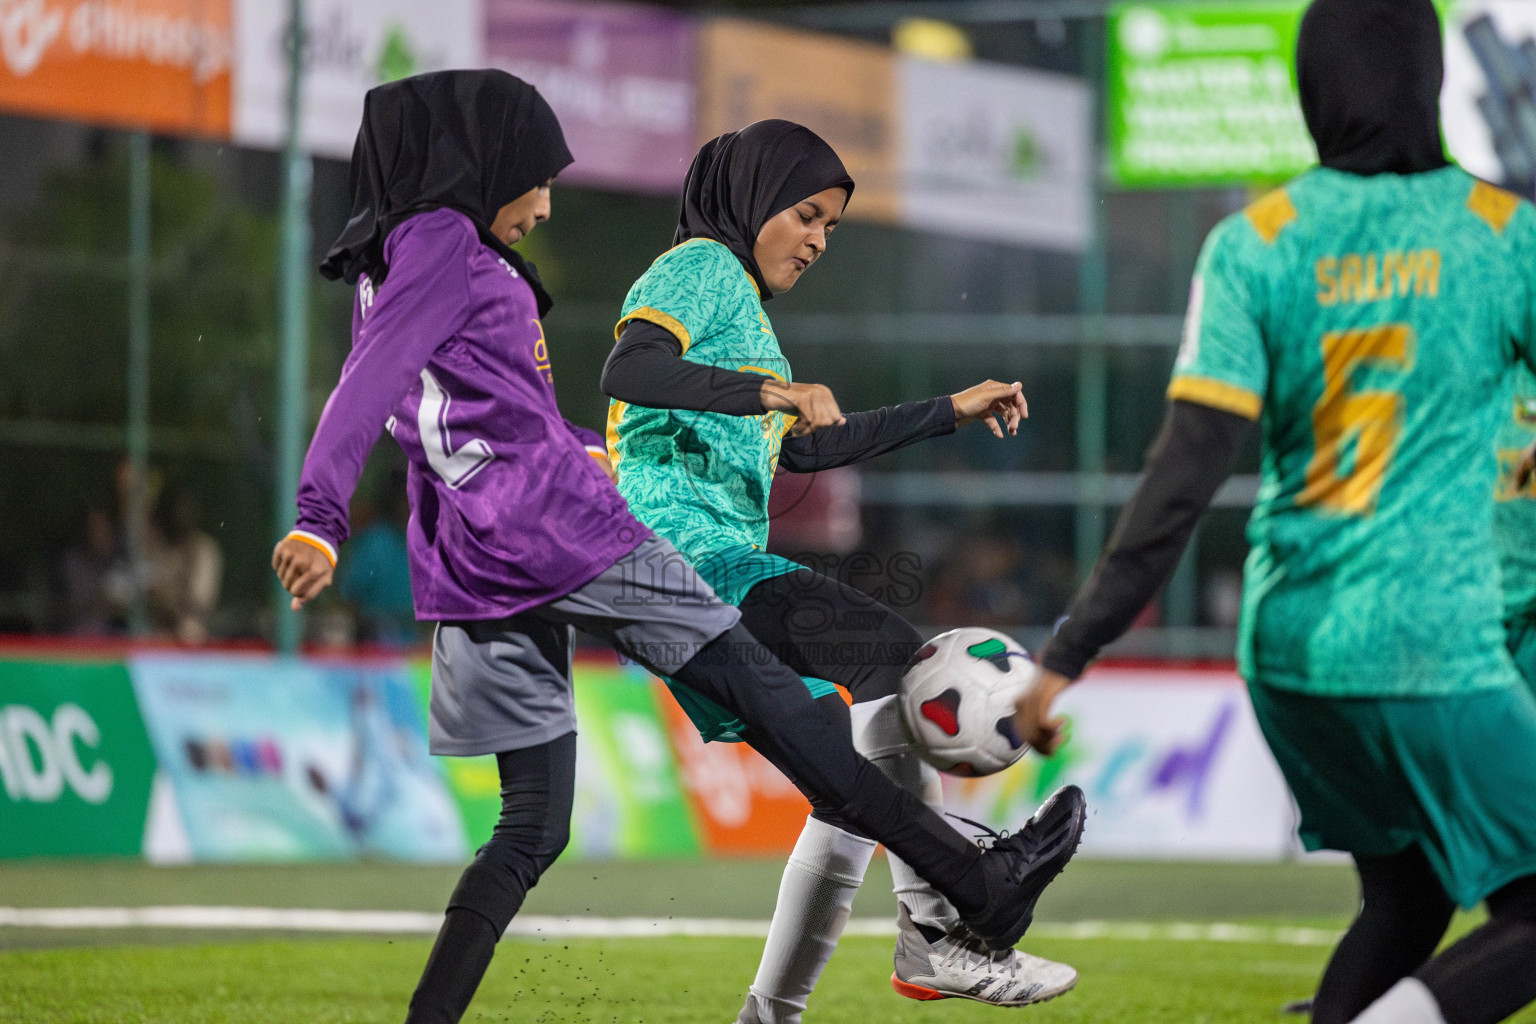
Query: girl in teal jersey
705	411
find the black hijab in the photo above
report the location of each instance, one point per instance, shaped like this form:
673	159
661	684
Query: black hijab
742	179
471	141
1369	72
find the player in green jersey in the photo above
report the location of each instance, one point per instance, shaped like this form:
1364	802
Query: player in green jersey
705	410
1369	314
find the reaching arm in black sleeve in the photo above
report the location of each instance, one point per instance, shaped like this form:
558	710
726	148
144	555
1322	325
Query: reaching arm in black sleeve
1190	460
647	368
868	434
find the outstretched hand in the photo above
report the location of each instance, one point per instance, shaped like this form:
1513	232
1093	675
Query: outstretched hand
1032	718
302	569
989	400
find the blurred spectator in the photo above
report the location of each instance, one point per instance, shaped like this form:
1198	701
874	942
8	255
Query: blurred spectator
815	512
374	574
979	586
98	586
184	570
1224	598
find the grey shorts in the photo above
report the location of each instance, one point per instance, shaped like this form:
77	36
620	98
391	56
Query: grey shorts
505	684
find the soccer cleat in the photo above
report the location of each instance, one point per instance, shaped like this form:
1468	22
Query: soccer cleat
956	966
1017	868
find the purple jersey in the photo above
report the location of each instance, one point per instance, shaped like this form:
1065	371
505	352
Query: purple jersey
508	510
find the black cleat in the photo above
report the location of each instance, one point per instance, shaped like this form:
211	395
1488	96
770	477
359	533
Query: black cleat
1017	868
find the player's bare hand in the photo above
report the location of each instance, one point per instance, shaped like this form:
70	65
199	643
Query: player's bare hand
602	460
302	569
1032	717
990	400
1526	468
813	404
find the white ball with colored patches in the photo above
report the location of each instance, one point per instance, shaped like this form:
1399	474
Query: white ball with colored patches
957	700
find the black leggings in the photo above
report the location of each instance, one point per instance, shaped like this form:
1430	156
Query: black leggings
827	630
1491	973
810	742
537	786
1484	978
1404	911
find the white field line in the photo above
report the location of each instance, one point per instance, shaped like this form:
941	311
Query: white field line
405	922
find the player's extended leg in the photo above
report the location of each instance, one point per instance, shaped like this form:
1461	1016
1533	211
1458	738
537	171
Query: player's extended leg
673	624
1486	977
820	627
537	786
1404	911
815	899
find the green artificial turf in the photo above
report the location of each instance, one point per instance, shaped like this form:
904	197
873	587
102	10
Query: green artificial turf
179	977
677	981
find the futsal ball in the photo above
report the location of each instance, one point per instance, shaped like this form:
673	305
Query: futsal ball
957	700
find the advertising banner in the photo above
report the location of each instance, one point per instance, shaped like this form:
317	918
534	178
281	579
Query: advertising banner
1204	94
162	65
75	764
278	759
1004	153
619	77
351	46
742	804
843	90
1173	764
1488	105
629	798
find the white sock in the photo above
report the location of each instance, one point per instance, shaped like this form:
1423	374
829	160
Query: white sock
879	735
1408	1002
815	899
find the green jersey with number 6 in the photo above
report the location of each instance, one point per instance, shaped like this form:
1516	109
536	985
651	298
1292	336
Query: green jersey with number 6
1372	322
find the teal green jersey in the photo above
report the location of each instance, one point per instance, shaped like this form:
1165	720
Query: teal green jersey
1514	518
1372	322
701	479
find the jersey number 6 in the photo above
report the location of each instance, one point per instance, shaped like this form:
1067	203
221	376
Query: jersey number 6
1371	419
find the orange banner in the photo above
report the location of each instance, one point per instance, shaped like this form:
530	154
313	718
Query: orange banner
741	803
163	65
843	90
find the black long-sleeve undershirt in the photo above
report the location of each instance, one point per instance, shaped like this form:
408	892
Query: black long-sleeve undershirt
868	434
1191	458
646	368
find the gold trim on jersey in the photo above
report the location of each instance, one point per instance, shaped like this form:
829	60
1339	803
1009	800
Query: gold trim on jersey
1493	205
760	369
1217	394
1271	214
615	414
666	321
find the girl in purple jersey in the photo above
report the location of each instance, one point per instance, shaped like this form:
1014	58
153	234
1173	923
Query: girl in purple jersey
516	535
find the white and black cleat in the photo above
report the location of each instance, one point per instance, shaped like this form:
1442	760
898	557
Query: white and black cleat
957	966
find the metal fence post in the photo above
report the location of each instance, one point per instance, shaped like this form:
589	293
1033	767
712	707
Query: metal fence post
137	512
1092	362
293	308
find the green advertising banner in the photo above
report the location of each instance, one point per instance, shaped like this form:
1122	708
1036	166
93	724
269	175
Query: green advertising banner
629	797
1203	94
75	762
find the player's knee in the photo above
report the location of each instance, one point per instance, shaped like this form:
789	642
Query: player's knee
557	837
1516	901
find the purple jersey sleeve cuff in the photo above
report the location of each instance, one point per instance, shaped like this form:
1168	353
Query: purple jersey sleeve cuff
314	540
